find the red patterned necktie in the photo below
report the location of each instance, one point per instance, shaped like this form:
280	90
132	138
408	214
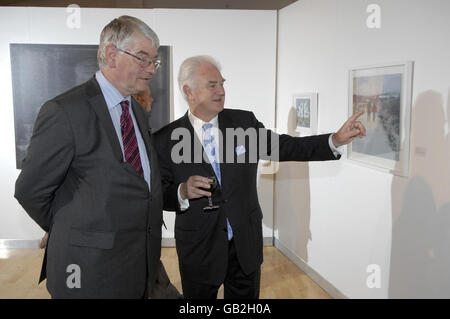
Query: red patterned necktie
130	145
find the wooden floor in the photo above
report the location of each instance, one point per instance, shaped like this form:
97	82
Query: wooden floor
280	278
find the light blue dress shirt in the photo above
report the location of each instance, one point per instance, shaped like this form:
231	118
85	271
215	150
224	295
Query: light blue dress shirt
113	98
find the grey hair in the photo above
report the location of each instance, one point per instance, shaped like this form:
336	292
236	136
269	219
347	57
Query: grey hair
186	76
119	33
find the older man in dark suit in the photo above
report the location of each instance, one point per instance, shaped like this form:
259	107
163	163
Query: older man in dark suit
91	177
219	232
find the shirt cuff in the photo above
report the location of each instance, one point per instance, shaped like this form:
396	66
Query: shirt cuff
184	203
336	150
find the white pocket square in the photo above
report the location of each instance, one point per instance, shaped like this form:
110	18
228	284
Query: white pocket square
240	150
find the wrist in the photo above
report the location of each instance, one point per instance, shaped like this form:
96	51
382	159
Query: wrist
183	191
334	141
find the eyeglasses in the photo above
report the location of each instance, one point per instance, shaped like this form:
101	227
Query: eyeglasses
144	62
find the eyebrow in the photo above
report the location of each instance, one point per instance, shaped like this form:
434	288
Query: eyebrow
145	53
214	82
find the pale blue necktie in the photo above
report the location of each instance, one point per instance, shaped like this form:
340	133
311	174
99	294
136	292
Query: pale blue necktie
210	148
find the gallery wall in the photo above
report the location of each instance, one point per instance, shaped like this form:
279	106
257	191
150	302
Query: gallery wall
345	223
243	41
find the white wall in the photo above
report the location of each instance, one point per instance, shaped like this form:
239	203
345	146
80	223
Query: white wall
243	41
339	217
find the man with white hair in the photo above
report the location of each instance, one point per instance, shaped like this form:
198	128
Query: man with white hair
218	230
91	177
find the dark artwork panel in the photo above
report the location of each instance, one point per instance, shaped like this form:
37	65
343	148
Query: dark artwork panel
42	71
160	91
39	73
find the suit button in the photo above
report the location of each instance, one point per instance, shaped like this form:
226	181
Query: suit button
148	229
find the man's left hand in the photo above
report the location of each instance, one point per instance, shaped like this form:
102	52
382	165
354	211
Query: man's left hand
351	129
43	242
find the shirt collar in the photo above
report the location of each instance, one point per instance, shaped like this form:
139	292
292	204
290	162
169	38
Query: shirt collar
198	123
111	94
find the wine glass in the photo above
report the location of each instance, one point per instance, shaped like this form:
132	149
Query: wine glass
213	187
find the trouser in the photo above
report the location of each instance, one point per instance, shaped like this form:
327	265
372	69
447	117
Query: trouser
237	284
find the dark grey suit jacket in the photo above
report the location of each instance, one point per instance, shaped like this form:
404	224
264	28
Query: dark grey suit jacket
97	209
201	238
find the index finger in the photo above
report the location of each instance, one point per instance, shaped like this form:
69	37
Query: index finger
198	178
355	116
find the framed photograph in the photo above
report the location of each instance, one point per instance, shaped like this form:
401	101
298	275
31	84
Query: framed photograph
42	71
306	110
384	93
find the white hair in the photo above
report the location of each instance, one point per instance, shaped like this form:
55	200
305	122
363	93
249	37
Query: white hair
119	33
188	68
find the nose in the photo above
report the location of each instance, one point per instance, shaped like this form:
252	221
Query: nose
220	90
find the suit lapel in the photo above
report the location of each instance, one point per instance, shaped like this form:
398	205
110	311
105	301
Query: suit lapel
196	140
226	171
142	121
98	104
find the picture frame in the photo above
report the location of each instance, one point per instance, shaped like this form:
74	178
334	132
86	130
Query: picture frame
384	93
305	106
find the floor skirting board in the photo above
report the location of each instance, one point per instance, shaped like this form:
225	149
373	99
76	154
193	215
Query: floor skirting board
19	243
315	276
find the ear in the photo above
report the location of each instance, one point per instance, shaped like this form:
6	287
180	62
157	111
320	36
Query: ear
139	99
111	55
188	91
